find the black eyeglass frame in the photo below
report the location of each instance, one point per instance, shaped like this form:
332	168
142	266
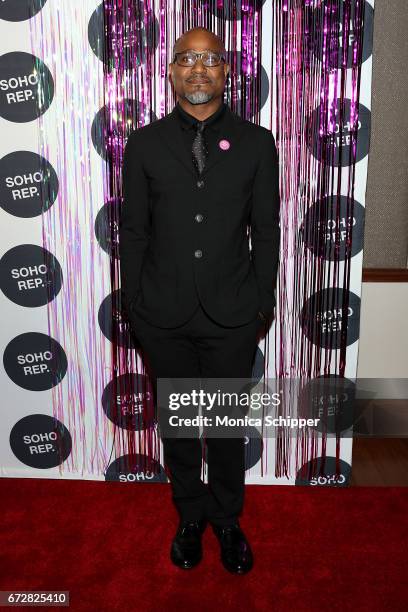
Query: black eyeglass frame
199	55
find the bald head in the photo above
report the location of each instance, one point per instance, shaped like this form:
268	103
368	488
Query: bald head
198	35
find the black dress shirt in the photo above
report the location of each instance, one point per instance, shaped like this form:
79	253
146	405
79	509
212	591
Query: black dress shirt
212	130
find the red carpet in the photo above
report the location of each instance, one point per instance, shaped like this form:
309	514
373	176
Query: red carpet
108	544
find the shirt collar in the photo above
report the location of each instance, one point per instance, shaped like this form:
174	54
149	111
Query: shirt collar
187	121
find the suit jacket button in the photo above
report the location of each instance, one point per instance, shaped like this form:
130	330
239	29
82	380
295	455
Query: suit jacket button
198	253
200	184
199	218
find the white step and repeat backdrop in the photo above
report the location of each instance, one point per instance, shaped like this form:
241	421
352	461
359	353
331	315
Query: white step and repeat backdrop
55	272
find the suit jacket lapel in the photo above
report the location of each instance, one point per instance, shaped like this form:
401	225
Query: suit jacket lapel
229	130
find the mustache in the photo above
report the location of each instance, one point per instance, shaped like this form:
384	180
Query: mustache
205	79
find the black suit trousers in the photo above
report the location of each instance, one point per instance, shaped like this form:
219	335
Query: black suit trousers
202	348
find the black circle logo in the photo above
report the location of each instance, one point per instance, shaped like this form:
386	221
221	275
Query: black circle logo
40	441
135	468
332	138
332	400
28	184
242	81
30	275
324	472
330	224
26	87
107	227
326	318
128	401
333	41
35	361
129	31
109	134
10	10
114	323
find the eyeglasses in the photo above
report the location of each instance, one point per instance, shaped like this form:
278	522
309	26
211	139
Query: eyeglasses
209	58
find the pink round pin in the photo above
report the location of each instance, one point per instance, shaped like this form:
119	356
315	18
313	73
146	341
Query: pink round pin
224	144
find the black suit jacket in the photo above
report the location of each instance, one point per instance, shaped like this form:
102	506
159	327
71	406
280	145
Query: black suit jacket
177	234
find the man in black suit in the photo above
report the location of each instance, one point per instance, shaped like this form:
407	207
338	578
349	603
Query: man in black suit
196	296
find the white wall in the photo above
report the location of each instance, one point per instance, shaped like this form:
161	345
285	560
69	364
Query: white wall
383	343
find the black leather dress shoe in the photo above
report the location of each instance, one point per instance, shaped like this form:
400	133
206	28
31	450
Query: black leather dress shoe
186	549
236	553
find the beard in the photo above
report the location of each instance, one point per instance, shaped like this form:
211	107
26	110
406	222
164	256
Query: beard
199	97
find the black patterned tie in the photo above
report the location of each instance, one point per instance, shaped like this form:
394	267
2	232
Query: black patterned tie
200	151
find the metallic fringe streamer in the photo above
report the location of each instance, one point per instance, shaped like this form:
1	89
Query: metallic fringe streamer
310	36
